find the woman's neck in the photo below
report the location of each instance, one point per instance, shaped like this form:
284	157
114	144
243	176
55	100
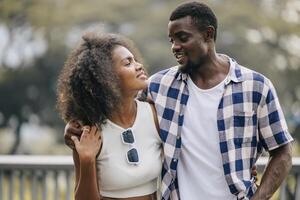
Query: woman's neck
125	115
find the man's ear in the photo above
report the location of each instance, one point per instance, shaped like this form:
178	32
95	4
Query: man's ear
210	33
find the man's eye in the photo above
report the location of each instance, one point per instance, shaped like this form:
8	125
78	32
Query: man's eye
171	40
184	38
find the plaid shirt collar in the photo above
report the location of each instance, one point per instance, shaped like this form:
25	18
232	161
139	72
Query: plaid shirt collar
234	75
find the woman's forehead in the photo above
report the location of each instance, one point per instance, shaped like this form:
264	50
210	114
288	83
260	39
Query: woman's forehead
121	52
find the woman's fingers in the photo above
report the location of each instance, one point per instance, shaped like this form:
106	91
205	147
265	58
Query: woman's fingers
91	132
86	129
94	130
75	140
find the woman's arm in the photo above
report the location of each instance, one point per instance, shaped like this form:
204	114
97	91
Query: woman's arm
85	170
77	167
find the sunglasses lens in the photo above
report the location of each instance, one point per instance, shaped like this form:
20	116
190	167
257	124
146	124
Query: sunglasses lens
128	137
133	156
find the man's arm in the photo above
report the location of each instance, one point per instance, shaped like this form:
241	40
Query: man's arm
72	128
277	169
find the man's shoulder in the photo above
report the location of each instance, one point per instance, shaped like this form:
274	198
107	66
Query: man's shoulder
252	76
169	73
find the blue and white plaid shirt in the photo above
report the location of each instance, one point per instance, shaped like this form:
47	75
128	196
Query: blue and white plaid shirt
249	119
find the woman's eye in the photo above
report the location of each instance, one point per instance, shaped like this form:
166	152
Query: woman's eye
127	63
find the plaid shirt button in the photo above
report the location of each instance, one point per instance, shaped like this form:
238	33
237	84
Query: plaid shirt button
227	81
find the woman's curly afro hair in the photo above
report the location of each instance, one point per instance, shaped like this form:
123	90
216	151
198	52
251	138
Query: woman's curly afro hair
88	89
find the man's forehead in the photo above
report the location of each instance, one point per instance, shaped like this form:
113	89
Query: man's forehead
187	20
181	24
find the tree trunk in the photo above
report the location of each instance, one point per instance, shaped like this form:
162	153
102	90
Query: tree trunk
17	141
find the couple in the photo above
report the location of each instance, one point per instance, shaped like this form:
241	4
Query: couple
212	117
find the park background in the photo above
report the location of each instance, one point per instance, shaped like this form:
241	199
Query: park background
37	35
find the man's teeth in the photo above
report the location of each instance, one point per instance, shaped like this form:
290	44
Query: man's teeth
179	56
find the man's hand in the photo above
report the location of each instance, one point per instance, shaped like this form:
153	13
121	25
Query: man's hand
73	128
254	172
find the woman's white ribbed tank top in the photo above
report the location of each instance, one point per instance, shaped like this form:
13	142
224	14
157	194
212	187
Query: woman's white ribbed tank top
119	179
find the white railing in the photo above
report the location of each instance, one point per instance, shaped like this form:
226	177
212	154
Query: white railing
52	178
36	177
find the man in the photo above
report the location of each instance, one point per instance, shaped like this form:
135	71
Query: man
215	117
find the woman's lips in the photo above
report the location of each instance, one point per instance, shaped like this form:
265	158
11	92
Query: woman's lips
142	75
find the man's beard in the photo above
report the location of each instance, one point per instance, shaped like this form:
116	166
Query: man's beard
189	67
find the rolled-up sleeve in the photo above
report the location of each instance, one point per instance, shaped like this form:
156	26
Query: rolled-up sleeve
273	130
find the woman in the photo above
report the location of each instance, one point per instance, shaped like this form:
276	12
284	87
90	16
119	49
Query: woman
118	156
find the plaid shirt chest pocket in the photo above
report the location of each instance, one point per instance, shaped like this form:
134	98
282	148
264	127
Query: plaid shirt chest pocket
244	123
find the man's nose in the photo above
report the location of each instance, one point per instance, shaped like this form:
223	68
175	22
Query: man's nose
175	46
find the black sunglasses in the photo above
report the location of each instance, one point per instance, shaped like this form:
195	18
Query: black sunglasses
132	155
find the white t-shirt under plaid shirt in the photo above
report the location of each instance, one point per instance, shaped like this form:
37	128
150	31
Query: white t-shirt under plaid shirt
249	119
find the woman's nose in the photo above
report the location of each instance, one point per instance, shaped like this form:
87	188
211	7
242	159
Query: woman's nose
138	66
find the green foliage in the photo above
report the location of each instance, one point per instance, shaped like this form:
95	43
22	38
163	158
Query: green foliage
259	34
